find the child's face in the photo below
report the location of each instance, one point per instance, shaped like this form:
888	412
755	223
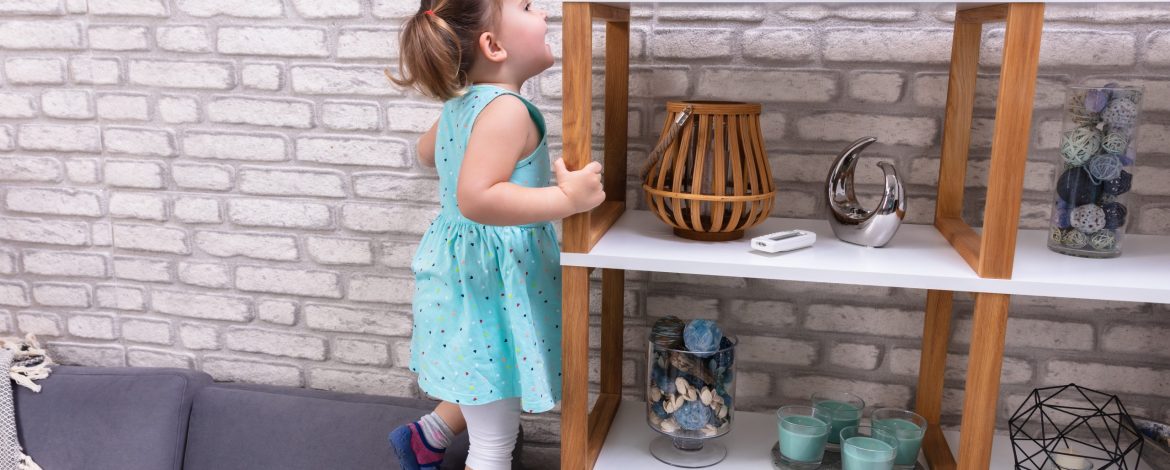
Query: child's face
522	32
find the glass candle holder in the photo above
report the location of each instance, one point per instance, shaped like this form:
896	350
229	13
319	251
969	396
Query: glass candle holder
867	448
908	427
803	432
1067	459
843	408
1098	146
690	400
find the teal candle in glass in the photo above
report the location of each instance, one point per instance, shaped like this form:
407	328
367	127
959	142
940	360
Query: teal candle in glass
804	431
867	448
844	409
908	427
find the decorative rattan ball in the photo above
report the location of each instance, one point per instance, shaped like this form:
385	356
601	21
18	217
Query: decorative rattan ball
1103	240
1079	113
1120	113
1055	235
1076	187
1075	239
1080	144
1088	218
1115	142
1104	167
1115	213
1120	185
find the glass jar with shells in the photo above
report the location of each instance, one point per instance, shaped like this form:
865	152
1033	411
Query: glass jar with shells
690	391
1098	146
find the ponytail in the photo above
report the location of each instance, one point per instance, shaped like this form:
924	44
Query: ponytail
438	45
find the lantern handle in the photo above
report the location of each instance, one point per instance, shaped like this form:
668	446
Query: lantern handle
666	141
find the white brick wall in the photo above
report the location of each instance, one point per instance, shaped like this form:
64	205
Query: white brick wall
231	186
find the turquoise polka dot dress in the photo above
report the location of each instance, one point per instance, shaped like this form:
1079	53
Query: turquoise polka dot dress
487	301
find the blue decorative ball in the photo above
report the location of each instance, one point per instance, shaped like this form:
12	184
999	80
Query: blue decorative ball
1104	167
692	415
1076	187
702	337
1118	186
1115	213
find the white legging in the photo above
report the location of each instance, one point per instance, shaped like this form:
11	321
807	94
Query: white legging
492	429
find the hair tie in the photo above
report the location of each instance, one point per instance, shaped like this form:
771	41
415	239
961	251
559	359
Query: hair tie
430	12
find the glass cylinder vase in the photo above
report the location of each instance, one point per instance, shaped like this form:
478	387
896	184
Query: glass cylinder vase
1098	146
690	399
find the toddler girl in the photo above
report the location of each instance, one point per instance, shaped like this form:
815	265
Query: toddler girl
487	302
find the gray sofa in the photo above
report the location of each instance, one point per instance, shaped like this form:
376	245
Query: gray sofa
97	418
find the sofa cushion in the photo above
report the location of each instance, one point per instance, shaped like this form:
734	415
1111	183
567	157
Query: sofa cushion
108	417
261	427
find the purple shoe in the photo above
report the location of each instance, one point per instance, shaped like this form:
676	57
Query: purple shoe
412	450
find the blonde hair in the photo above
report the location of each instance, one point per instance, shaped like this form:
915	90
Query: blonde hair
437	45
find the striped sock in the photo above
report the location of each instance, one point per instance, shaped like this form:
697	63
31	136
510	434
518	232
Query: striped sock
435	431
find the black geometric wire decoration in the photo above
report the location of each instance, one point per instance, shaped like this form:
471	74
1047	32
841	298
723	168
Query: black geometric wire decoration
1070	416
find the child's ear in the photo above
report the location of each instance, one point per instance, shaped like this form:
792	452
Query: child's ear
491	49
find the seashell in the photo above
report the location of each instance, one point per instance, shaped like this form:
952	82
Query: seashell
669	426
709	430
680	384
722	412
655	394
691	395
705	397
655	420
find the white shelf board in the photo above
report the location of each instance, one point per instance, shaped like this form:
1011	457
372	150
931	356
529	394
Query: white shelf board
918	257
749	443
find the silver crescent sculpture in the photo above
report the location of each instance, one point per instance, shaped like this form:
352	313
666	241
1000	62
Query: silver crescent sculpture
849	220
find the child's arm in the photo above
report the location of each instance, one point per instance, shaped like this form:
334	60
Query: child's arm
426	146
498	140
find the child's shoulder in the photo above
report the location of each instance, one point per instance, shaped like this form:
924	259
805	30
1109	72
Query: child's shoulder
500	110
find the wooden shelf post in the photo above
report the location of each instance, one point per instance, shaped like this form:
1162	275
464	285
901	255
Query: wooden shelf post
992	254
583	431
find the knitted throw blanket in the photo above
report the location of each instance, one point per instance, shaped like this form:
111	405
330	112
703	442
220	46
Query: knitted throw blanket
23	361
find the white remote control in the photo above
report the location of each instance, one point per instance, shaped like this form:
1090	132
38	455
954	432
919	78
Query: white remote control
787	240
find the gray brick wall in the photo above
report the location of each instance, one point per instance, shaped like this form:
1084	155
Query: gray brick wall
232	187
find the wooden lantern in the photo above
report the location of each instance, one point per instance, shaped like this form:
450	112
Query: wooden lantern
709	176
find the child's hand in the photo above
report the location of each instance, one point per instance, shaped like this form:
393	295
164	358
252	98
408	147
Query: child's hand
582	187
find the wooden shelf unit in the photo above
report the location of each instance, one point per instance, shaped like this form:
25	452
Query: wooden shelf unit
990	254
